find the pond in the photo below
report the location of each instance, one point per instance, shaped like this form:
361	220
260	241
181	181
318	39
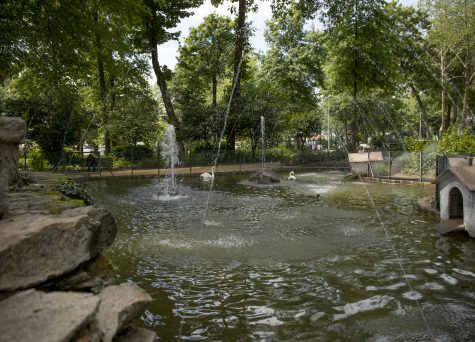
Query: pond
275	262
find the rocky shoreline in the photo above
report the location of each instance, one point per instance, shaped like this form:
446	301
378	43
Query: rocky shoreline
55	284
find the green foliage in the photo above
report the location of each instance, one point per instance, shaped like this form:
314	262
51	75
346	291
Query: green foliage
36	160
121	163
452	141
411	163
131	152
416	145
74	191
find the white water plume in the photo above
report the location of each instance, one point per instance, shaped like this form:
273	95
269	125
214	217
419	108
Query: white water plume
170	155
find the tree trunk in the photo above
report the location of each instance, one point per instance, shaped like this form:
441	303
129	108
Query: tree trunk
443	119
354	133
162	84
215	89
102	86
238	54
426	132
467	89
454	113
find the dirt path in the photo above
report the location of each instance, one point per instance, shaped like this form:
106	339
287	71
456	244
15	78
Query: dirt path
194	171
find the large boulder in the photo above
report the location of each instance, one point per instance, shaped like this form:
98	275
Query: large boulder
35	248
119	305
56	316
264	177
12	133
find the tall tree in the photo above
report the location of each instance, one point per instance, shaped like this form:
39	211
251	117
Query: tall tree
206	54
358	62
410	45
157	18
242	33
453	32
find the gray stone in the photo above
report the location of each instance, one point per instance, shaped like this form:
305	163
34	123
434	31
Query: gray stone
264	177
36	248
12	132
119	304
136	334
93	275
56	316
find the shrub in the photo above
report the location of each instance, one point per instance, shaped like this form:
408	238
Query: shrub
137	152
454	142
416	145
37	160
74	191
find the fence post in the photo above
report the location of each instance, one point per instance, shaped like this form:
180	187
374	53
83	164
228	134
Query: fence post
420	166
132	160
189	159
389	166
158	161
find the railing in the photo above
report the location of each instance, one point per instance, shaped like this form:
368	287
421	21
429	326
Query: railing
70	162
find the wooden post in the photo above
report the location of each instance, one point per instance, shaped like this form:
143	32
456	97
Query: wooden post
420	166
389	166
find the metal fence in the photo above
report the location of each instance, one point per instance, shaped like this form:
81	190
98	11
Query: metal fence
419	166
71	162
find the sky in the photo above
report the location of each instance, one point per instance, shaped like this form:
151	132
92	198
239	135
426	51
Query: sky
168	52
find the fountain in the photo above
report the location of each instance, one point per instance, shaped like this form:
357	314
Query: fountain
263	176
170	154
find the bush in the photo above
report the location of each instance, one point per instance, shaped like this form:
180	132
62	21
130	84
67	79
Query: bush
36	159
74	191
137	152
416	145
454	142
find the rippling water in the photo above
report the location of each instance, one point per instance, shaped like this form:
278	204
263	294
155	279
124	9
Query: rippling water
276	263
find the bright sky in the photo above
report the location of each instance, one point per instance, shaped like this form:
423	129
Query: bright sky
168	52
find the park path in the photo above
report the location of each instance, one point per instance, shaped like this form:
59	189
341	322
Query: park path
193	171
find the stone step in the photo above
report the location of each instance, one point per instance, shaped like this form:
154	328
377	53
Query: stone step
35	248
119	305
37	316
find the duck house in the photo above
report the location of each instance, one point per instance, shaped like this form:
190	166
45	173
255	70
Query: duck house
455	189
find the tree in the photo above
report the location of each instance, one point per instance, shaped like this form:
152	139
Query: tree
242	33
410	45
295	56
453	32
294	63
205	56
157	18
358	62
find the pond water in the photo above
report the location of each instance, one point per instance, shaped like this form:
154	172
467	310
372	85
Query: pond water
277	263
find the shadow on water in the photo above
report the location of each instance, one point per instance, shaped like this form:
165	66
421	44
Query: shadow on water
277	263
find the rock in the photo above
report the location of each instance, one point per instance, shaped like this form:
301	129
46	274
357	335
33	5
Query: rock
119	304
35	248
92	276
350	176
12	132
264	177
56	316
136	334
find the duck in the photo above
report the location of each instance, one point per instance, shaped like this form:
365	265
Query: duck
208	176
291	176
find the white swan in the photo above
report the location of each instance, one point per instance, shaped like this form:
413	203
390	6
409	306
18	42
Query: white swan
291	176
207	176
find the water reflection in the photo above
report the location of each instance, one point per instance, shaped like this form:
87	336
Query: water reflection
275	263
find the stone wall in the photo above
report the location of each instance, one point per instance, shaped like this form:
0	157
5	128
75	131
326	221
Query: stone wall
55	285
